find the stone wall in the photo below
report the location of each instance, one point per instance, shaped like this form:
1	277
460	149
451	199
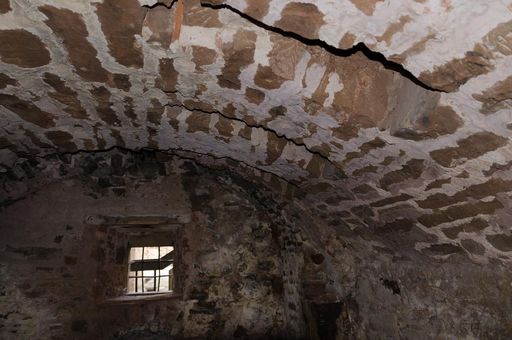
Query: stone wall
255	264
59	270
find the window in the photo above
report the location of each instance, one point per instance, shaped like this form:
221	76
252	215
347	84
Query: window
150	269
145	258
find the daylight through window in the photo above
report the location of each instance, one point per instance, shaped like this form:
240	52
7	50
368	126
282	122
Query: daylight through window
150	269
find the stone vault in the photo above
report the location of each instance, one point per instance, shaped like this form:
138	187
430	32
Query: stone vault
388	119
342	169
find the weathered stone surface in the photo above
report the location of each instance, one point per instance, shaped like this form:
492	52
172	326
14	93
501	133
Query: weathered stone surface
302	18
366	6
443	249
159	20
203	56
257	8
438	183
285	55
476	191
398	226
363	189
391	200
224	127
5	81
238	55
473	247
394	28
65	95
458	212
254	96
365	170
473	226
411	170
27	111
467	148
365	84
450	76
168	75
200	16
497	97
364	149
121	20
198	122
61	139
5	6
70	27
495	167
22	48
104	106
155	112
438	122
267	79
501	242
121	81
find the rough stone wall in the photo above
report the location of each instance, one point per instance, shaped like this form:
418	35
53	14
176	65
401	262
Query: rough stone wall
256	264
59	269
406	298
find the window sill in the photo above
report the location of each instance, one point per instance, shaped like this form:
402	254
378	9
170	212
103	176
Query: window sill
139	298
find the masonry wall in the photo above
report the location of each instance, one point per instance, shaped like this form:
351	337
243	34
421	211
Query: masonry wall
58	269
255	266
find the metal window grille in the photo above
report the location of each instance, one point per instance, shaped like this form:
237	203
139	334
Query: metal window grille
151	269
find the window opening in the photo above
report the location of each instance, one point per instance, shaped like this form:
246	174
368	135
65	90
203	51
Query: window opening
150	269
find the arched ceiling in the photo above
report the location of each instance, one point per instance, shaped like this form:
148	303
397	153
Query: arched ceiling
392	117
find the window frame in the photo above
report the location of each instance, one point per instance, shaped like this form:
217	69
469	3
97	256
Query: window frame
138	230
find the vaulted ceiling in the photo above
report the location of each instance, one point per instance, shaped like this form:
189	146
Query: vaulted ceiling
392	118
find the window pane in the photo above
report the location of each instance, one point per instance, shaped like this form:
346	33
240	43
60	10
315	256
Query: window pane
167	270
139	285
131	285
164	283
149	273
165	250
150	253
135	253
149	285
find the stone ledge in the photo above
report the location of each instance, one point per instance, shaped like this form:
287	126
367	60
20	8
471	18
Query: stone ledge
138	298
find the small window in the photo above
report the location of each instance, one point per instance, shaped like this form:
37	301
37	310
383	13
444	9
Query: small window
150	270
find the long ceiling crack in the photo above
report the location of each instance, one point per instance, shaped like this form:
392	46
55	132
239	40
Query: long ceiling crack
360	47
258	126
